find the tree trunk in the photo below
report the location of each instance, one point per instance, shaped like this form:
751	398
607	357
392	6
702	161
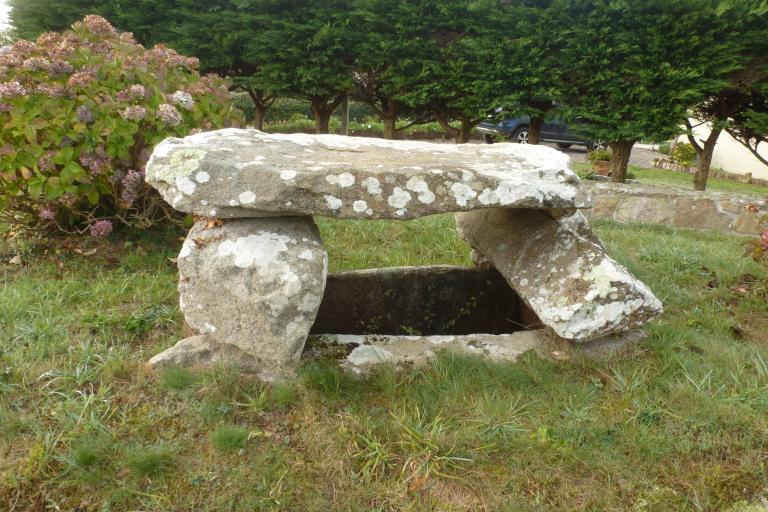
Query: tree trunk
465	130
322	111
258	116
389	114
447	128
534	131
705	152
322	118
390	129
620	159
261	102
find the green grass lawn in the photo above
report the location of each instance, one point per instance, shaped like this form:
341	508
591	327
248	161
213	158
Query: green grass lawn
664	178
681	424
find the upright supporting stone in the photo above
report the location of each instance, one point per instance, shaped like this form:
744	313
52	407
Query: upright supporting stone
559	268
251	288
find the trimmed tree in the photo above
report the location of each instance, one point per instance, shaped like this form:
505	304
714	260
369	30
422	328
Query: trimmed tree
307	53
637	68
460	71
534	60
386	43
739	72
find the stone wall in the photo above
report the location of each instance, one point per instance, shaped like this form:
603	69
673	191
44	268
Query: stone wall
745	177
678	208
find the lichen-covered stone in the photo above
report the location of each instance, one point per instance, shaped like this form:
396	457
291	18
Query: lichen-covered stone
246	173
574	287
251	288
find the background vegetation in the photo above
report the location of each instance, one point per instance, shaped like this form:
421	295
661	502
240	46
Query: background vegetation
632	70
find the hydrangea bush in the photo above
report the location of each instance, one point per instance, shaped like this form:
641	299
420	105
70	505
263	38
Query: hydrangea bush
80	112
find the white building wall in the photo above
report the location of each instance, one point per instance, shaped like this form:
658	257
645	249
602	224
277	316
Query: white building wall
730	155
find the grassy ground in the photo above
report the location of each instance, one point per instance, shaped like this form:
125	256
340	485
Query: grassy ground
664	178
681	424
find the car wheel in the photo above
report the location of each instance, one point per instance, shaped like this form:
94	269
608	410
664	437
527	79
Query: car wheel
596	144
520	135
488	138
563	145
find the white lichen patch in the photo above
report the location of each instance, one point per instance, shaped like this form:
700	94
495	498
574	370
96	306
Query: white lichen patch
601	277
287	175
372	185
462	193
247	197
399	198
333	202
291	283
418	185
259	251
202	177
181	162
360	206
309	303
346	180
186	248
369	354
307	254
185	185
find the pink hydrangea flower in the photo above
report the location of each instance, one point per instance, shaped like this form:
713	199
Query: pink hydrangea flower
52	90
131	182
183	98
36	64
134	113
46	213
98	25
79	79
23	46
12	89
60	67
101	228
168	114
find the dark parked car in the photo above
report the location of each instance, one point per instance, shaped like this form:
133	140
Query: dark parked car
553	130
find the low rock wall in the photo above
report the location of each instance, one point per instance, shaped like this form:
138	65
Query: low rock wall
678	208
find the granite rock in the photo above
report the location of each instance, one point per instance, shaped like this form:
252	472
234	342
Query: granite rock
566	277
251	288
247	173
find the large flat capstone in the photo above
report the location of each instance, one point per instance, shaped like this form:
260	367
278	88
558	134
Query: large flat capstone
247	173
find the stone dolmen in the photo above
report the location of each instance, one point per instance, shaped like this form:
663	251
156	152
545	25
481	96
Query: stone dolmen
253	270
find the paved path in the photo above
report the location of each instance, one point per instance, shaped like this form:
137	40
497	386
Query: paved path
642	156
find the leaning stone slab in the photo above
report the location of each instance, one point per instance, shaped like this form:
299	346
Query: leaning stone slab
247	173
251	289
568	280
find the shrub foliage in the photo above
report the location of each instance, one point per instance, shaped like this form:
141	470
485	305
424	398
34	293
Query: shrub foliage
80	112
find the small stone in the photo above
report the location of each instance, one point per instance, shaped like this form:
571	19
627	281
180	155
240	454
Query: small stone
16	260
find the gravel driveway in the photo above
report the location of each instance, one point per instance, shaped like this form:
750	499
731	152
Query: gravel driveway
642	154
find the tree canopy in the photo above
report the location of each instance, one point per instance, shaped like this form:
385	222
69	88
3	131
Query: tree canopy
630	70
